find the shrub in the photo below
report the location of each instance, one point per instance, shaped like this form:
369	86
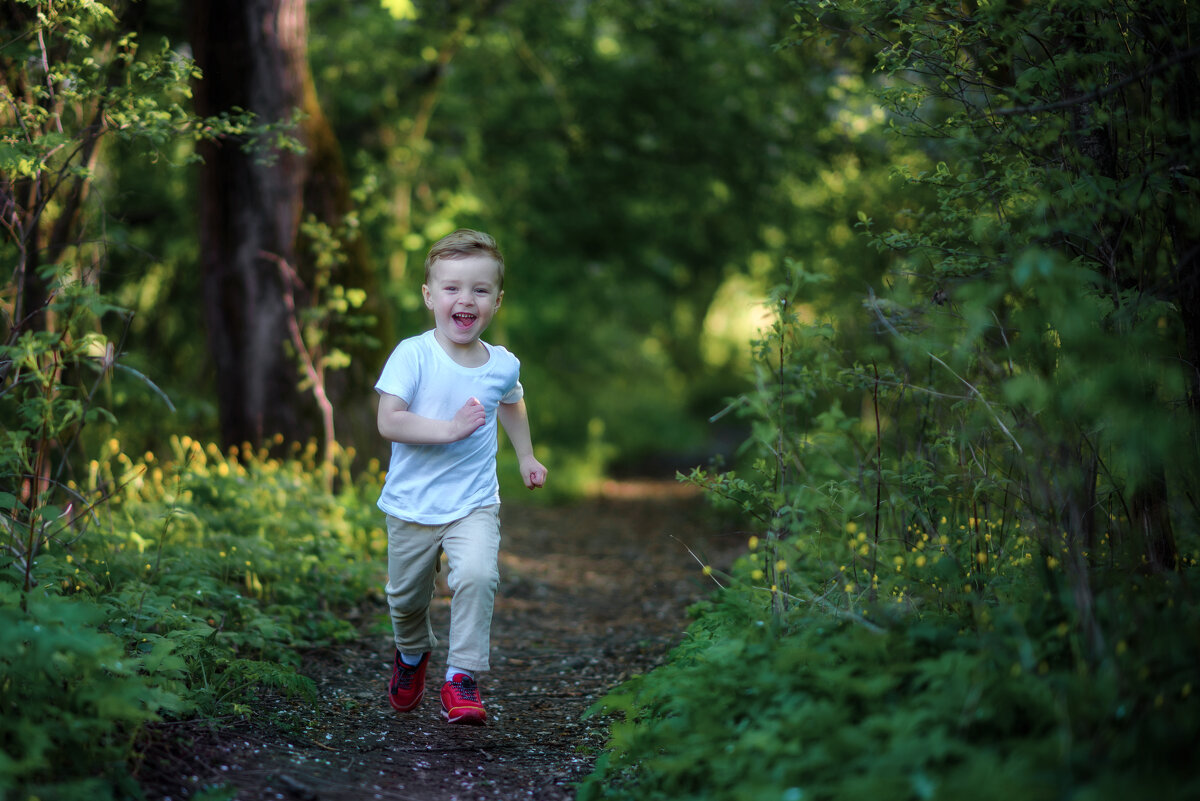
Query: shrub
195	586
927	706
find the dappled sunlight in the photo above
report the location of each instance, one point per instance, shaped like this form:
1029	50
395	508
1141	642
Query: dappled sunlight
647	489
737	313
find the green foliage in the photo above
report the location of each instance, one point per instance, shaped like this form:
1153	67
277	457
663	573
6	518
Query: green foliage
71	694
47	383
1053	253
933	706
975	498
191	589
94	115
642	219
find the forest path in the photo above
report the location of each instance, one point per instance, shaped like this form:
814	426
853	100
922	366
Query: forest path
591	593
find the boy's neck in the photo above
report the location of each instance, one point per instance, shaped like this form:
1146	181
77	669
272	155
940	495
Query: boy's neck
470	354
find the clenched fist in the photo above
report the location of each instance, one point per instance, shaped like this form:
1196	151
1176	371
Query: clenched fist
469	418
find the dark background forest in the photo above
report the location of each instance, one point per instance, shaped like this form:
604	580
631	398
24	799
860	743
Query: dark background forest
908	289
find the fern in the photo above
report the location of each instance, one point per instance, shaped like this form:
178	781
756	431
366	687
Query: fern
241	674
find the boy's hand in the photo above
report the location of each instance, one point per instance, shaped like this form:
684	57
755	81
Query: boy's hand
533	473
468	419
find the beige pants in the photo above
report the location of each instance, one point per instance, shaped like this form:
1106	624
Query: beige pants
472	547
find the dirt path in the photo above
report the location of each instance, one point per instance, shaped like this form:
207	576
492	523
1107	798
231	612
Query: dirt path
590	594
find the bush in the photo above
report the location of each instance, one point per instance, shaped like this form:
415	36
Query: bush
928	706
72	696
910	621
193	587
974	499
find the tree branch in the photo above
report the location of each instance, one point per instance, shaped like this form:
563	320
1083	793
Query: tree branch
1102	92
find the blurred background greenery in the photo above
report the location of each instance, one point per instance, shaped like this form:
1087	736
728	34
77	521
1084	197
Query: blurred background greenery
647	167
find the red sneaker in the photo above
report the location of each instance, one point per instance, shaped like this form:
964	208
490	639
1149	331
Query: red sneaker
461	702
408	684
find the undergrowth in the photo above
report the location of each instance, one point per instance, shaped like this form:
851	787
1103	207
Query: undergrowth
975	699
196	584
911	623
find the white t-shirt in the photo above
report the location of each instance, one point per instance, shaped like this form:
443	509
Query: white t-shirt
436	484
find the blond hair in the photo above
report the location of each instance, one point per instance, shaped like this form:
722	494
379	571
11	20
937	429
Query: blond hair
463	243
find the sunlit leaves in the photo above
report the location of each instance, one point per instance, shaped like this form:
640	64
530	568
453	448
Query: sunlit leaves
401	9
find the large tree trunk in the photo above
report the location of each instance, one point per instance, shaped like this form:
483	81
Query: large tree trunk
253	54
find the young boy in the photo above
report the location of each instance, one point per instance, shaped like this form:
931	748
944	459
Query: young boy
440	396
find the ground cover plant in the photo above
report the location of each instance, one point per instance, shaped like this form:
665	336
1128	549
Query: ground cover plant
973	501
196	586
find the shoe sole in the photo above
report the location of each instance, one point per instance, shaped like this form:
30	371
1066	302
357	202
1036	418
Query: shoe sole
468	716
416	702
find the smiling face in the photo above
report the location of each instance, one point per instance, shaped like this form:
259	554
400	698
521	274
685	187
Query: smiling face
463	294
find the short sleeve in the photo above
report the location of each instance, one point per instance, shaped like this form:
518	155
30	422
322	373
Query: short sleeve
402	373
515	394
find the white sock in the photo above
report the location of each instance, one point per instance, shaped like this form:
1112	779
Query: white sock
452	671
412	660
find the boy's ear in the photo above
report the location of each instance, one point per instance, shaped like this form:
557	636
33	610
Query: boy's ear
425	294
499	298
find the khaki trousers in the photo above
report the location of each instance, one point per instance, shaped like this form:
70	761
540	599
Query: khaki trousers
472	547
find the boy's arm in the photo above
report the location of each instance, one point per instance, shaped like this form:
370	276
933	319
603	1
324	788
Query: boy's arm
397	424
516	424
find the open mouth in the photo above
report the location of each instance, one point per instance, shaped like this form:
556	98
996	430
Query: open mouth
463	320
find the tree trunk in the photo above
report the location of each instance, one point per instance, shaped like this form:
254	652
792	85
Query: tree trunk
1181	222
1118	263
253	56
